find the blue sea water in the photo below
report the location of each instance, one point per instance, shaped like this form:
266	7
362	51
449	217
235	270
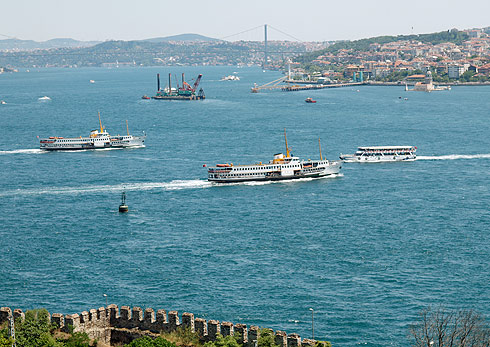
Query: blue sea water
367	250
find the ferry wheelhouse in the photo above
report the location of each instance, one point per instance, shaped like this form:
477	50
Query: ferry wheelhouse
378	154
281	167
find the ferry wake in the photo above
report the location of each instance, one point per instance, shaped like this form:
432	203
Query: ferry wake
98	139
282	167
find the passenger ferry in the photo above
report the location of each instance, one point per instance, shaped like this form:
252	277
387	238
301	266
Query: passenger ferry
282	167
378	154
98	139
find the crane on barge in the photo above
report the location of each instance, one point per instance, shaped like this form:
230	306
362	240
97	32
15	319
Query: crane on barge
186	92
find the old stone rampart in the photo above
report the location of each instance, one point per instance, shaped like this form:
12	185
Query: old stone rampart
113	325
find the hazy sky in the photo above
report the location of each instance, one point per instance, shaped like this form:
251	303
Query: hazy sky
306	20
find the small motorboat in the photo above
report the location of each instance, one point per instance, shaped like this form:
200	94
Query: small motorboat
44	98
145	97
310	101
3	102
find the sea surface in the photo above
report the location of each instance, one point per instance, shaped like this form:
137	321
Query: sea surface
367	250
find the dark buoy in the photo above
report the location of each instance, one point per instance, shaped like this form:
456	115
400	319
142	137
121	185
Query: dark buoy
123	207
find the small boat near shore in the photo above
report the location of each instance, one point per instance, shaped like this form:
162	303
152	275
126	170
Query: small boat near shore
378	154
310	101
281	167
230	78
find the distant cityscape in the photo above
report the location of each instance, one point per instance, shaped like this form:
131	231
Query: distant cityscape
452	56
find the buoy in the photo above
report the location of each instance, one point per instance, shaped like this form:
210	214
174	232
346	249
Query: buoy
123	207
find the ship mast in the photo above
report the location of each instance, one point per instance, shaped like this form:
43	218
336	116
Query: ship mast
287	148
320	146
100	122
127	127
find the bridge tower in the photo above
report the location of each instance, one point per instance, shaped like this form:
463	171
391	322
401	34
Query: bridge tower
265	46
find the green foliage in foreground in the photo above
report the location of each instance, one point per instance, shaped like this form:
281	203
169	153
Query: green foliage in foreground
266	338
149	342
183	338
228	341
35	330
78	340
5	340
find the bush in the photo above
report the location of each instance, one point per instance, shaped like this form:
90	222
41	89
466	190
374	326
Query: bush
149	342
228	341
78	340
183	338
5	340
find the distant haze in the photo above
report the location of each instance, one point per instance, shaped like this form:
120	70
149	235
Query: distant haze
319	20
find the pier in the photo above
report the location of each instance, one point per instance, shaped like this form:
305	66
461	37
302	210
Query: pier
296	88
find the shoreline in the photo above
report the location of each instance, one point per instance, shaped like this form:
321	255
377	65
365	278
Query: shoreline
375	83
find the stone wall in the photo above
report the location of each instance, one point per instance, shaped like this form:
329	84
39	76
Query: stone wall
114	325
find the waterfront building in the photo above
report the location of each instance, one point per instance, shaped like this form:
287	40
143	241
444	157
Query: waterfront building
456	70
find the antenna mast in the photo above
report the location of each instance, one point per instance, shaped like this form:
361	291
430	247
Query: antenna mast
127	127
287	148
319	145
265	45
100	122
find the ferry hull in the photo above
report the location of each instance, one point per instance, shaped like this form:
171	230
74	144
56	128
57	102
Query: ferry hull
332	170
387	159
78	148
265	179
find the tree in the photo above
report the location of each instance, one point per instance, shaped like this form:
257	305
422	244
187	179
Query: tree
266	338
442	328
35	330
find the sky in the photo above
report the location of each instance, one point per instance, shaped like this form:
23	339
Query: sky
317	20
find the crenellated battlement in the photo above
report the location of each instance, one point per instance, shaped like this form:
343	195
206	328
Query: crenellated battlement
120	325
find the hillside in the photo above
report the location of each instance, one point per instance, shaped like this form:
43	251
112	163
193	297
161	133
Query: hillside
453	36
182	37
28	45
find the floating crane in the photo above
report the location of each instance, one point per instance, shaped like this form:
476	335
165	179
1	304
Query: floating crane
186	92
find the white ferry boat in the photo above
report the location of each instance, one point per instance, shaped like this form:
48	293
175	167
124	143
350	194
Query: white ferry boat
378	154
282	167
98	139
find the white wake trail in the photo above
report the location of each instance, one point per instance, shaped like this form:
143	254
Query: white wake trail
172	185
23	151
454	157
